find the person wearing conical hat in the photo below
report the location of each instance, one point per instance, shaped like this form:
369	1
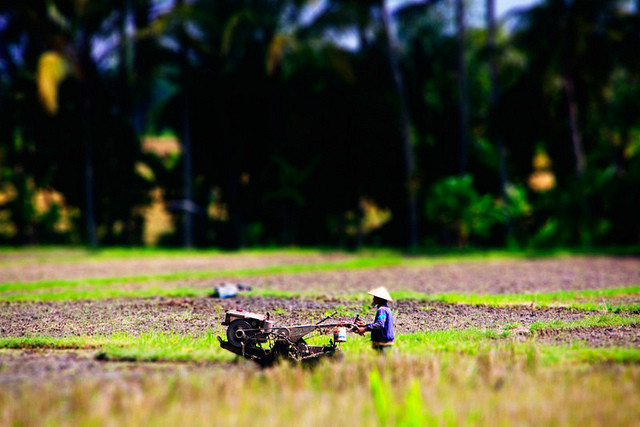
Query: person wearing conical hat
382	327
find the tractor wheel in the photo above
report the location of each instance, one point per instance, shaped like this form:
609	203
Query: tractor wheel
239	332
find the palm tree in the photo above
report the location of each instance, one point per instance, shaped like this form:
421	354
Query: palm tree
405	123
69	39
225	47
80	120
463	103
572	49
376	15
493	100
569	42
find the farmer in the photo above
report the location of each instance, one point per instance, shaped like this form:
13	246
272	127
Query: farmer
382	327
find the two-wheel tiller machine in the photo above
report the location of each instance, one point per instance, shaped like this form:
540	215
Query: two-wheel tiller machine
255	337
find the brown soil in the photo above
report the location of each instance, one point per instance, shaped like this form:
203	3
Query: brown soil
18	367
197	315
495	277
624	336
14	269
491	277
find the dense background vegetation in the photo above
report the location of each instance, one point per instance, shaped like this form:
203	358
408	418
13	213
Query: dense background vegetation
346	123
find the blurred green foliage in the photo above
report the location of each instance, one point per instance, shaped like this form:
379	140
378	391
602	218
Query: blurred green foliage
457	207
280	123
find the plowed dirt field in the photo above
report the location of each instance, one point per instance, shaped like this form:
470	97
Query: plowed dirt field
199	315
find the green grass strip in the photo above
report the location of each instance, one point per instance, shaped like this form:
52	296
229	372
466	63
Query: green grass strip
360	260
580	353
350	264
584	300
146	347
167	346
247	272
107	293
149	346
80	253
589	300
605	320
455	340
173	347
44	342
476	342
114	292
44	255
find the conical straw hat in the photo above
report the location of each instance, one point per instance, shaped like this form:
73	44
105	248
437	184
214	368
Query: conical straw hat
380	292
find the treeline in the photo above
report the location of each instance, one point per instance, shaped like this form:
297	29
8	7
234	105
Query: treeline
236	123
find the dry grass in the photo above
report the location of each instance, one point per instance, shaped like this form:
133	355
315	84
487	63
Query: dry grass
495	387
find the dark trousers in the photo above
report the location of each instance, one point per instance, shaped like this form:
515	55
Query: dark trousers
381	347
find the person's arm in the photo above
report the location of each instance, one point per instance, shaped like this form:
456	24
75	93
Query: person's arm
381	318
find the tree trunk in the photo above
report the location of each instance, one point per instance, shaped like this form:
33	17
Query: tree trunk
495	87
407	146
85	74
89	183
188	205
574	128
128	47
579	157
463	163
493	101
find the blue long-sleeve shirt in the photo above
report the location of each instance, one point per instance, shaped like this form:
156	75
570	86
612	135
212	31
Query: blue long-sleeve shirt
382	326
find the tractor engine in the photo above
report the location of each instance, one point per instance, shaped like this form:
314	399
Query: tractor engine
245	326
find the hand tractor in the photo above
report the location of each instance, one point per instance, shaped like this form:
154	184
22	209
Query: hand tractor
255	337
